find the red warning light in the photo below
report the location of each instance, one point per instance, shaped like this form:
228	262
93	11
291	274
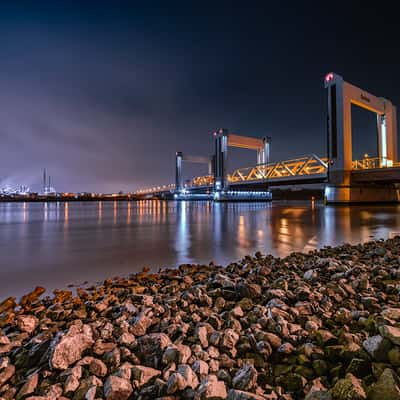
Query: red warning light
329	77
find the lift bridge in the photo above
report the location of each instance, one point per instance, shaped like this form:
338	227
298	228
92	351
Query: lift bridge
345	180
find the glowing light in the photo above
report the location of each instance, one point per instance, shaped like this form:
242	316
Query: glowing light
329	77
383	139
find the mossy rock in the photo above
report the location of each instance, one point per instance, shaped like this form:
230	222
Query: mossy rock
378	368
282	369
349	388
302	370
386	388
337	371
320	367
302	359
394	356
294	383
334	353
359	367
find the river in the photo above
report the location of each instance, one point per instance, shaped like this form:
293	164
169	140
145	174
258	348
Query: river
56	244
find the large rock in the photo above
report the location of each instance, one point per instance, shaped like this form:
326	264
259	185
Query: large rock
394	356
200	367
190	377
7	304
235	394
250	290
176	383
31	297
294	383
68	348
212	389
377	347
27	323
229	339
349	388
28	387
179	353
391	313
6	374
318	395
245	378
151	347
117	388
140	325
142	375
386	388
202	335
390	332
97	367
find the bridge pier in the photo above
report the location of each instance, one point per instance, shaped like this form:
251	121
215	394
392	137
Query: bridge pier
361	194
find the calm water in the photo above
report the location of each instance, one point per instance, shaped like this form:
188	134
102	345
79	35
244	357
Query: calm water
55	244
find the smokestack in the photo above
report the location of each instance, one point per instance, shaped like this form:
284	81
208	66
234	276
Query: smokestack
49	184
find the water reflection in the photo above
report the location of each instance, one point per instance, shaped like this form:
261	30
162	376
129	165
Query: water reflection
53	244
183	236
99	212
115	212
66	213
129	213
24	213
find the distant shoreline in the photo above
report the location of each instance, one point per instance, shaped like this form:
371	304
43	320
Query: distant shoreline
66	199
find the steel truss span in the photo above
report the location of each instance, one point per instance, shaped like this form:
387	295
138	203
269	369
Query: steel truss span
308	165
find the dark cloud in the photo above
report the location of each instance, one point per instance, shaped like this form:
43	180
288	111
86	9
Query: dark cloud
104	93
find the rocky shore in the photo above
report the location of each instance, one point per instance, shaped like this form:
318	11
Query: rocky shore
323	325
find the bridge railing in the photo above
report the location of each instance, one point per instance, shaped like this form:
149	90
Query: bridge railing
373	163
156	189
308	165
207	180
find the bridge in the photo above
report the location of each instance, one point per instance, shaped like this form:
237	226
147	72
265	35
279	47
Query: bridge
345	180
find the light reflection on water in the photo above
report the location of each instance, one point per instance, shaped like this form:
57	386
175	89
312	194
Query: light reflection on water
53	244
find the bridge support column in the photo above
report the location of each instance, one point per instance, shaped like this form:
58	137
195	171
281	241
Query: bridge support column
178	172
221	158
263	154
367	193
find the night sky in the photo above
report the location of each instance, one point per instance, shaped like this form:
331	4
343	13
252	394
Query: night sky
103	93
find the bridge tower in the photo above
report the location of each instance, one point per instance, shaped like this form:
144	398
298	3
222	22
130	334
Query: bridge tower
178	171
221	160
180	158
223	140
341	96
